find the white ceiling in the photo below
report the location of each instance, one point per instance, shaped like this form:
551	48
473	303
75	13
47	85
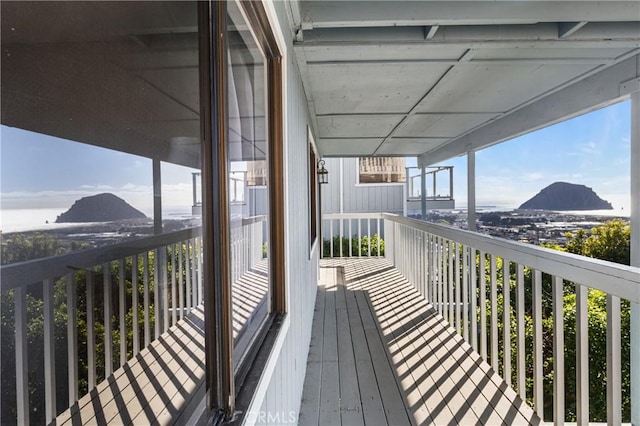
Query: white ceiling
425	77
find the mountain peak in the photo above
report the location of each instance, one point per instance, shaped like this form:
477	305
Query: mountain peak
104	207
566	196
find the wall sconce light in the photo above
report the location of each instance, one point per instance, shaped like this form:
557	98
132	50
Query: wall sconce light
323	174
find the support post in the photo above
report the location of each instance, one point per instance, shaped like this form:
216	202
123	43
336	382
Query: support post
405	192
423	194
157	198
451	182
471	190
635	255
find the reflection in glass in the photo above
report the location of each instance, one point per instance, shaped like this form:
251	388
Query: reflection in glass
248	160
97	98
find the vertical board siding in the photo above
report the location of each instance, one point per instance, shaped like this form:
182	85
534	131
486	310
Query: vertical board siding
281	403
361	198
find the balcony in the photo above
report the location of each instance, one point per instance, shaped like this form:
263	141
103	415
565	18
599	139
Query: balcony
92	364
421	345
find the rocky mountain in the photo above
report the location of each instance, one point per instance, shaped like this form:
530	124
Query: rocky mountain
100	208
566	196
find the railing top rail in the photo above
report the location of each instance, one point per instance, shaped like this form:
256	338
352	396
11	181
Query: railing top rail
29	272
613	278
329	216
253	219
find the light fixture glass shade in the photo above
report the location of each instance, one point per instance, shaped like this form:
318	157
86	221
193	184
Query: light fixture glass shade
323	174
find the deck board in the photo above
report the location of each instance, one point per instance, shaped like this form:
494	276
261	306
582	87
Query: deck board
410	366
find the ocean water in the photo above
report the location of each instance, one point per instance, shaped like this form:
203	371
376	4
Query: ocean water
14	220
21	220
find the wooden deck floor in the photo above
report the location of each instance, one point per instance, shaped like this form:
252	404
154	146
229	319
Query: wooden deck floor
380	355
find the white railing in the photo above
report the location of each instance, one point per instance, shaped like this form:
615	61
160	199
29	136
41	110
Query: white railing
83	302
459	273
352	234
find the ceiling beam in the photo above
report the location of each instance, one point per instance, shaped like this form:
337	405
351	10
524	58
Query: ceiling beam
335	14
596	34
497	61
598	90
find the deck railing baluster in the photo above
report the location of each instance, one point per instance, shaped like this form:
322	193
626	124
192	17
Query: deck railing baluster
483	306
614	363
122	312
22	366
456	251
49	351
494	313
450	254
181	279
165	288
521	372
157	307
558	351
174	308
582	356
187	269
506	322
145	278
465	293
134	304
72	338
91	331
473	292
108	334
538	372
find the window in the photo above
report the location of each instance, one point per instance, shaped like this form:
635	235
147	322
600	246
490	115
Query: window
313	192
248	149
381	170
101	138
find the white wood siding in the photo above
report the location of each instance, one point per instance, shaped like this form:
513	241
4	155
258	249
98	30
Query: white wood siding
357	198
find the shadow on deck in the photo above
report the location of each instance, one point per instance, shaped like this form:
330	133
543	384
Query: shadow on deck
165	382
380	354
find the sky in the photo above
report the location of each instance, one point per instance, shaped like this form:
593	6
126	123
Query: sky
592	150
39	171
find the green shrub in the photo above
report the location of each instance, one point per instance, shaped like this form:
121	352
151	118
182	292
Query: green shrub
356	249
